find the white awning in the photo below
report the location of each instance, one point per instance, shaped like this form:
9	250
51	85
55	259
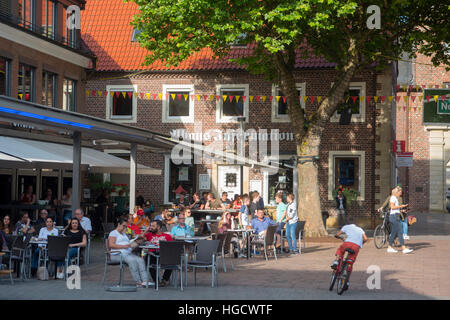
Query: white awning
38	154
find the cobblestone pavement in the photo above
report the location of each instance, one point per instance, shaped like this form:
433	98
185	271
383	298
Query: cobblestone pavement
422	274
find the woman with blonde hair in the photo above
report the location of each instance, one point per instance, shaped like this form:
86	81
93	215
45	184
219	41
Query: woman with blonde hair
394	219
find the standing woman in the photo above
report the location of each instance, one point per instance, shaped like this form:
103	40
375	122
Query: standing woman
78	239
291	223
394	219
119	242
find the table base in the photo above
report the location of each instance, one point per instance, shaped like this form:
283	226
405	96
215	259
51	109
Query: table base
121	288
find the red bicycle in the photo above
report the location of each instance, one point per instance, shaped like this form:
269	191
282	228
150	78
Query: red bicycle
342	272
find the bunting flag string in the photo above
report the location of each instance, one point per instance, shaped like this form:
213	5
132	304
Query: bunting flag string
402	98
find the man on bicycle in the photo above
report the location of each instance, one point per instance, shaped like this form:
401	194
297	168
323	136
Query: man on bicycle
355	239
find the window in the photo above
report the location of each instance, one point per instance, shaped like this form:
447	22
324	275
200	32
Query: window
26	79
178	107
69	35
27	13
280	110
346	168
49	18
232	103
354	101
5	79
121	103
136	32
49	89
69	95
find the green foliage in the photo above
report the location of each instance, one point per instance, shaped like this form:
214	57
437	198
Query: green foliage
350	195
279	31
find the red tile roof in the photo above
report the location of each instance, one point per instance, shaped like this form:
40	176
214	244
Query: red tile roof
106	30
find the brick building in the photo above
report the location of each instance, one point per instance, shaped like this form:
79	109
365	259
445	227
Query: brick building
42	61
428	179
184	97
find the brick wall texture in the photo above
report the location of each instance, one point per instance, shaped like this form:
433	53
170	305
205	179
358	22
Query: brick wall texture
357	136
410	128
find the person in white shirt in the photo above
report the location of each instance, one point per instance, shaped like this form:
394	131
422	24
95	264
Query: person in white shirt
396	224
48	230
84	221
354	241
119	244
291	223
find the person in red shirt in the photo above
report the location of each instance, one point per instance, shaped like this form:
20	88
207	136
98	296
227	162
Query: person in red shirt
134	228
237	203
154	237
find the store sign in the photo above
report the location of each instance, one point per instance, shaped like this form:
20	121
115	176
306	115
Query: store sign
204	181
443	107
404	159
183	174
399	146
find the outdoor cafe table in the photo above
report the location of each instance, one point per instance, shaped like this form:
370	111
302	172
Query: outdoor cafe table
43	245
247	233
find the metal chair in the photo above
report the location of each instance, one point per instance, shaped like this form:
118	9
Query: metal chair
57	251
109	262
171	255
18	255
299	234
214	229
88	249
224	248
107	228
205	257
269	240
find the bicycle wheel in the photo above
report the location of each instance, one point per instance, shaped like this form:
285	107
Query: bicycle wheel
379	236
343	279
333	280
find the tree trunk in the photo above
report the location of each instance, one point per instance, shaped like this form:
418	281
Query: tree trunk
309	190
308	141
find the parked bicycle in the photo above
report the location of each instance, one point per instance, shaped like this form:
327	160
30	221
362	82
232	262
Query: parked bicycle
382	231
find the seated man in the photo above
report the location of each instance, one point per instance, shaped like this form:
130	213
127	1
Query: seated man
214	203
181	229
261	223
226	202
84	221
141	221
181	202
148	208
42	217
23	226
154	237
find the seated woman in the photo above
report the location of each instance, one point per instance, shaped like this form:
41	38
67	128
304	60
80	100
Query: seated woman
78	239
48	230
7	226
227	223
119	243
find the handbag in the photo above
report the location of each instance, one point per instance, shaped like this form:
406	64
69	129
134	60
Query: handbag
42	273
411	220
